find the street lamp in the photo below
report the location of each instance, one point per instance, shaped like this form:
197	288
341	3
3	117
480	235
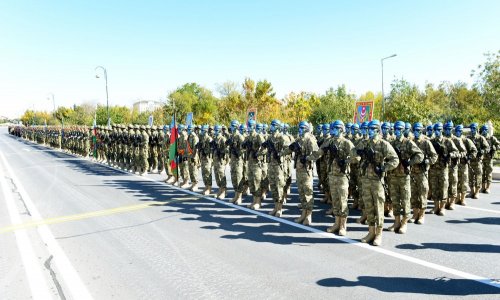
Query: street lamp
53	102
383	95
106	79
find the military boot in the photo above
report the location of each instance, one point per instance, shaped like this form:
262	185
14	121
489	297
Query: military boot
474	194
483	187
442	204
238	199
194	187
487	188
308	218
362	219
421	217
462	199
390	213
436	207
370	236
451	203
403	227
184	184
207	190
275	209
378	237
256	203
414	217
279	211
335	227
221	194
397	224
343	226
302	217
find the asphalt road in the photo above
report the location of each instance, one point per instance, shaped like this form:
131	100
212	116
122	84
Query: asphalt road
71	228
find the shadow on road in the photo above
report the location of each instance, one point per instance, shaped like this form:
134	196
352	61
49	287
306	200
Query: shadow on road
438	286
238	224
486	221
455	247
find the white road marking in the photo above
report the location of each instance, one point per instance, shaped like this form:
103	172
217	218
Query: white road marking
33	267
68	273
458	273
481	209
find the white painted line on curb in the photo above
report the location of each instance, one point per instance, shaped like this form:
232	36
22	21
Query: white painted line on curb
458	273
33	267
68	273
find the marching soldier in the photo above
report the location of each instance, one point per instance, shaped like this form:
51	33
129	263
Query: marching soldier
476	163
304	149
438	173
219	149
236	161
205	151
488	159
182	149
463	166
255	155
193	159
419	175
375	158
453	167
409	154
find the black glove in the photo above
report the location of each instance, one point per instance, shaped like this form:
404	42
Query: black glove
379	170
405	163
303	160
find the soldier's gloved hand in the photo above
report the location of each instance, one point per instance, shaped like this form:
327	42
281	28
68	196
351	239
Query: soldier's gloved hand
427	162
360	152
379	170
303	160
405	163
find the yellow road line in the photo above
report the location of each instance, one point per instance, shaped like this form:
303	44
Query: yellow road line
93	214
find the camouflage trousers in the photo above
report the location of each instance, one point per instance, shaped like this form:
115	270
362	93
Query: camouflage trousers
453	181
288	173
399	187
184	170
305	187
475	173
265	177
244	181
206	170
153	162
220	172
255	177
277	181
373	196
143	160
194	169
161	160
438	177
323	176
339	188
487	170
419	190
236	166
354	183
463	178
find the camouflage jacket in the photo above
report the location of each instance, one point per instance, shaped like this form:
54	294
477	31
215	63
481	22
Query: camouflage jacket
409	154
375	158
430	155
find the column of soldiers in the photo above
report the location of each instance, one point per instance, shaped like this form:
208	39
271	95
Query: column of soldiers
387	169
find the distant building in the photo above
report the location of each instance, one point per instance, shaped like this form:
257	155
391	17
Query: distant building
147	105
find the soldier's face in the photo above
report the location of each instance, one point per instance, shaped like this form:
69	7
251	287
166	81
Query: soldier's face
447	132
458	132
189	130
384	131
216	132
325	131
484	133
301	131
437	132
353	131
335	132
397	132
363	131
407	132
416	133
473	131
429	132
372	132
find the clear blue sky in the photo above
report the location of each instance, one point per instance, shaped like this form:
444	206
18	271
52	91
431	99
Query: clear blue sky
151	47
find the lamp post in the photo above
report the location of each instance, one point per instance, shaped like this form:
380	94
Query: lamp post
53	103
106	80
383	95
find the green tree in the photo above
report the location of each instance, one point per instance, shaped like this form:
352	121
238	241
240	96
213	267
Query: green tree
335	104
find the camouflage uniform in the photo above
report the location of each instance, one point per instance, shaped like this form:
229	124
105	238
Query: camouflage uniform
235	143
182	149
438	173
376	157
220	161
205	151
488	163
420	179
275	146
453	171
463	169
193	159
476	164
255	155
409	154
